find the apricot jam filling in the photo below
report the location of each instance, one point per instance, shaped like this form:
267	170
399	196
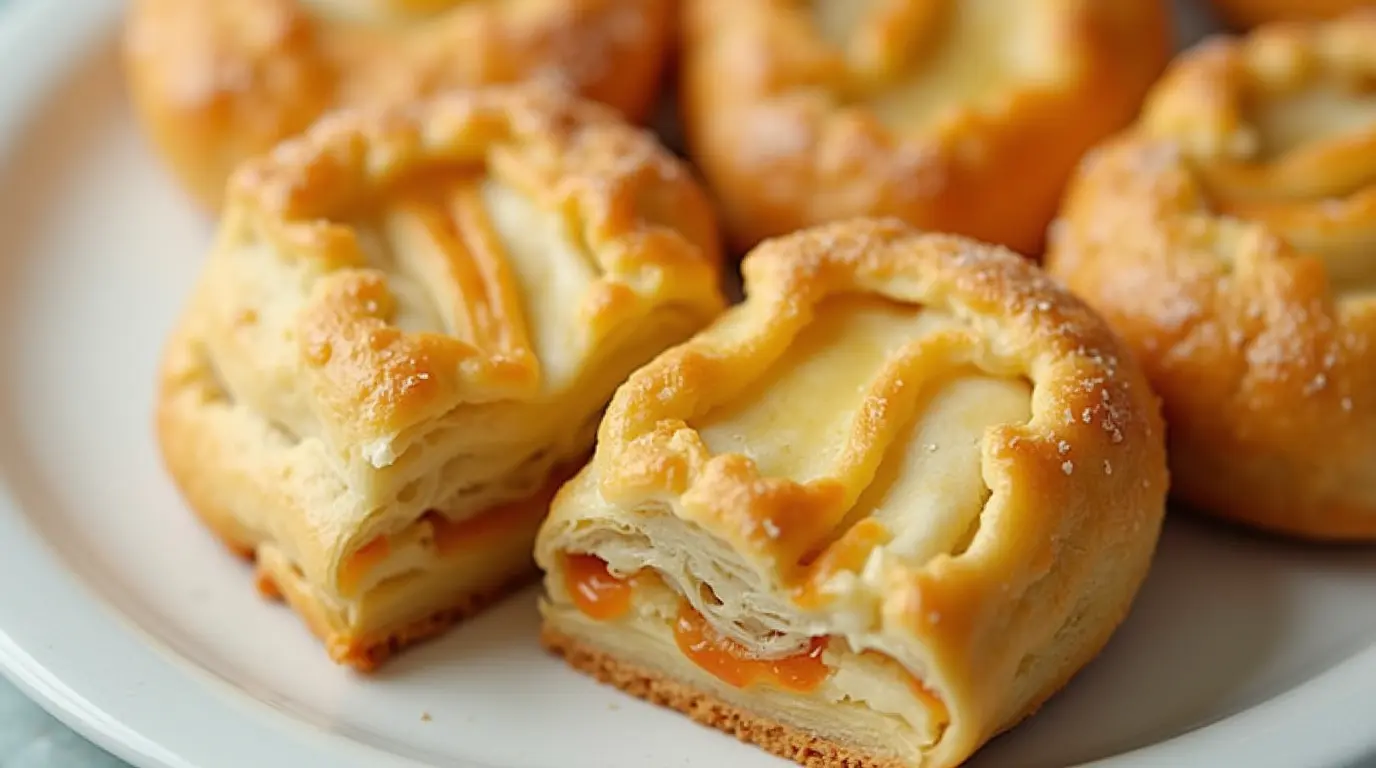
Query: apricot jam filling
594	589
357	565
733	664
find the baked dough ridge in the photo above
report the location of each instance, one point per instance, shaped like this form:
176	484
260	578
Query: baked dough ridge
1231	262
992	626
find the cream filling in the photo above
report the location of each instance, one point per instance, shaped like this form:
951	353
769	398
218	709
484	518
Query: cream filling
381	11
931	49
795	420
1313	189
864	701
1311	115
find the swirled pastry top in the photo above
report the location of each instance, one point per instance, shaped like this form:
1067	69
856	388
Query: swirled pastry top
915	444
217	82
1232	238
956	115
436	296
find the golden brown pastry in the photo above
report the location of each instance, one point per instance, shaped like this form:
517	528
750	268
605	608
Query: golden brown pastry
1231	239
1250	13
962	116
217	81
405	336
874	515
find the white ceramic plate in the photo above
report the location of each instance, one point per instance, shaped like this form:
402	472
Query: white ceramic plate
128	622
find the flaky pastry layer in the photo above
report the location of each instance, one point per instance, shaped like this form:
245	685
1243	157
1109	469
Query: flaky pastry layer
894	500
962	116
217	82
1231	238
406	333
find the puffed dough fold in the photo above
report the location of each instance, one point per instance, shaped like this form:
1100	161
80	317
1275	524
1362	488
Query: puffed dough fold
873	515
215	82
1230	237
403	340
963	116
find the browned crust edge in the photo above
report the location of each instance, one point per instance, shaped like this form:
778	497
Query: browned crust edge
801	747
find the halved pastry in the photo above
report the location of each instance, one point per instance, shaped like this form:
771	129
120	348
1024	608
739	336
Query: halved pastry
1231	239
1251	13
218	81
962	116
404	338
872	516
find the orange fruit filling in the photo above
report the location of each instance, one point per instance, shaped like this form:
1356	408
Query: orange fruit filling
594	590
733	664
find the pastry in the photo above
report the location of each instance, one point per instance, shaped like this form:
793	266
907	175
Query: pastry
963	116
1250	13
1230	238
215	82
870	517
404	337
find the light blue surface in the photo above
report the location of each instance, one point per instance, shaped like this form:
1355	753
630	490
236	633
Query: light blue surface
31	738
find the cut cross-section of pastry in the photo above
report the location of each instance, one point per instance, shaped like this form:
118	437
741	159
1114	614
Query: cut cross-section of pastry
215	82
1231	238
873	515
963	116
403	340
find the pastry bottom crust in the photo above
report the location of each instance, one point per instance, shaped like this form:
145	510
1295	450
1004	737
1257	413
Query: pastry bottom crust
366	653
785	741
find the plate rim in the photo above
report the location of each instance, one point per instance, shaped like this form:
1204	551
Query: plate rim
44	639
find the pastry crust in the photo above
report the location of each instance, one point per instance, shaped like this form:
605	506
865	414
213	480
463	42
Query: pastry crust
1252	13
404	338
217	82
910	476
1230	237
963	116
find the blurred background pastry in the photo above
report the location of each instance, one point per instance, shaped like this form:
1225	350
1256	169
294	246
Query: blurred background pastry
1230	237
217	81
963	116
